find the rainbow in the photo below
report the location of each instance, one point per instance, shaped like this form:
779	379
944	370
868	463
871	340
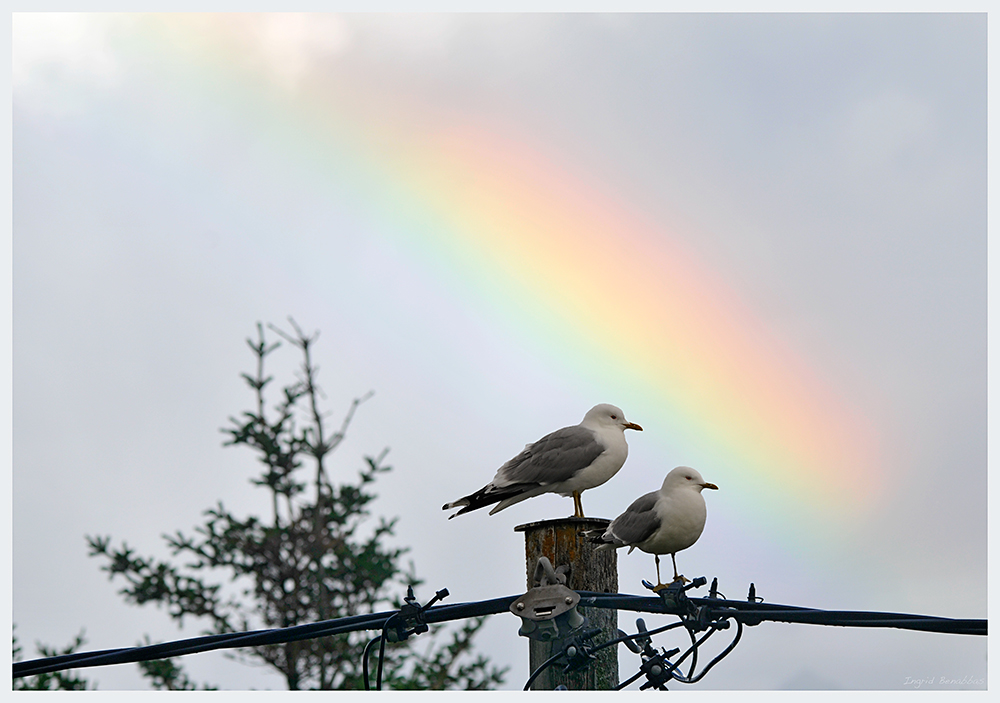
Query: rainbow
569	266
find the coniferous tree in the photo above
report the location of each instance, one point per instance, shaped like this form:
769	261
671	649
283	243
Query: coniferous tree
320	555
53	681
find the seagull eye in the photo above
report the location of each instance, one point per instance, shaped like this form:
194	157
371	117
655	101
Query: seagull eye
614	417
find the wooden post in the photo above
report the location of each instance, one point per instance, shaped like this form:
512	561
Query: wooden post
590	570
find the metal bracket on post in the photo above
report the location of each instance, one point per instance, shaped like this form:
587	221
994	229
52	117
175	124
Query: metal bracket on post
556	626
548	610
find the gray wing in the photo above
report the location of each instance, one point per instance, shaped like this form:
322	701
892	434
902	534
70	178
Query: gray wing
553	458
637	523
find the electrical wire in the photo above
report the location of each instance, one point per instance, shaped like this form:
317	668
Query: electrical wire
381	653
630	680
201	644
672	667
743	612
722	655
637	635
755	612
256	638
542	667
364	660
693	651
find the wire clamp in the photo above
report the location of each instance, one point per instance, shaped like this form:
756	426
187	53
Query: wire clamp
675	599
409	620
655	662
657	669
749	619
548	610
579	650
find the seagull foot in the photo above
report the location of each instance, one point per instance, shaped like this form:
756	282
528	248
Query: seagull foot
681	579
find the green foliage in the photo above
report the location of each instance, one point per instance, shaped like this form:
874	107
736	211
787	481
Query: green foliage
55	681
319	556
446	667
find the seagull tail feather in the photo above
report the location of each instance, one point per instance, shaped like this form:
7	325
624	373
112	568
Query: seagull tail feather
600	537
488	495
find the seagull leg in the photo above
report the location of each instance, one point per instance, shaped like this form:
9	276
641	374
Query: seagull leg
577	505
659	583
676	577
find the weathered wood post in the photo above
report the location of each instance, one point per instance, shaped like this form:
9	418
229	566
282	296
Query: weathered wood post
590	570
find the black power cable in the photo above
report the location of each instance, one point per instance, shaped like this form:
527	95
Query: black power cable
364	660
542	667
637	635
256	638
200	644
749	613
693	650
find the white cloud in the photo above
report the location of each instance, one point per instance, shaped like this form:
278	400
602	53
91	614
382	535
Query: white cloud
292	44
882	128
414	36
50	48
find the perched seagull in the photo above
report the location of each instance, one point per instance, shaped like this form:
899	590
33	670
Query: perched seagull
662	522
567	462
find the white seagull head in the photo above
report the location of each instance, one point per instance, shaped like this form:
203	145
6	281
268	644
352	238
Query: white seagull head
684	478
607	415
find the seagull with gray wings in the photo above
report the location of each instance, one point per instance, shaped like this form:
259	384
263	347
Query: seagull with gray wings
567	462
662	522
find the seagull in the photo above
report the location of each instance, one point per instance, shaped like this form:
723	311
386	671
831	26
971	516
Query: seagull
662	522
567	462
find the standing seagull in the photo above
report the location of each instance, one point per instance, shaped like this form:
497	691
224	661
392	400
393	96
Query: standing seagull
662	522
567	462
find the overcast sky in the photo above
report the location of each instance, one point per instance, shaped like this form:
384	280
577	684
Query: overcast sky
763	236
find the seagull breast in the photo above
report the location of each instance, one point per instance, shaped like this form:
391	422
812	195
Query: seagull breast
682	517
601	469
